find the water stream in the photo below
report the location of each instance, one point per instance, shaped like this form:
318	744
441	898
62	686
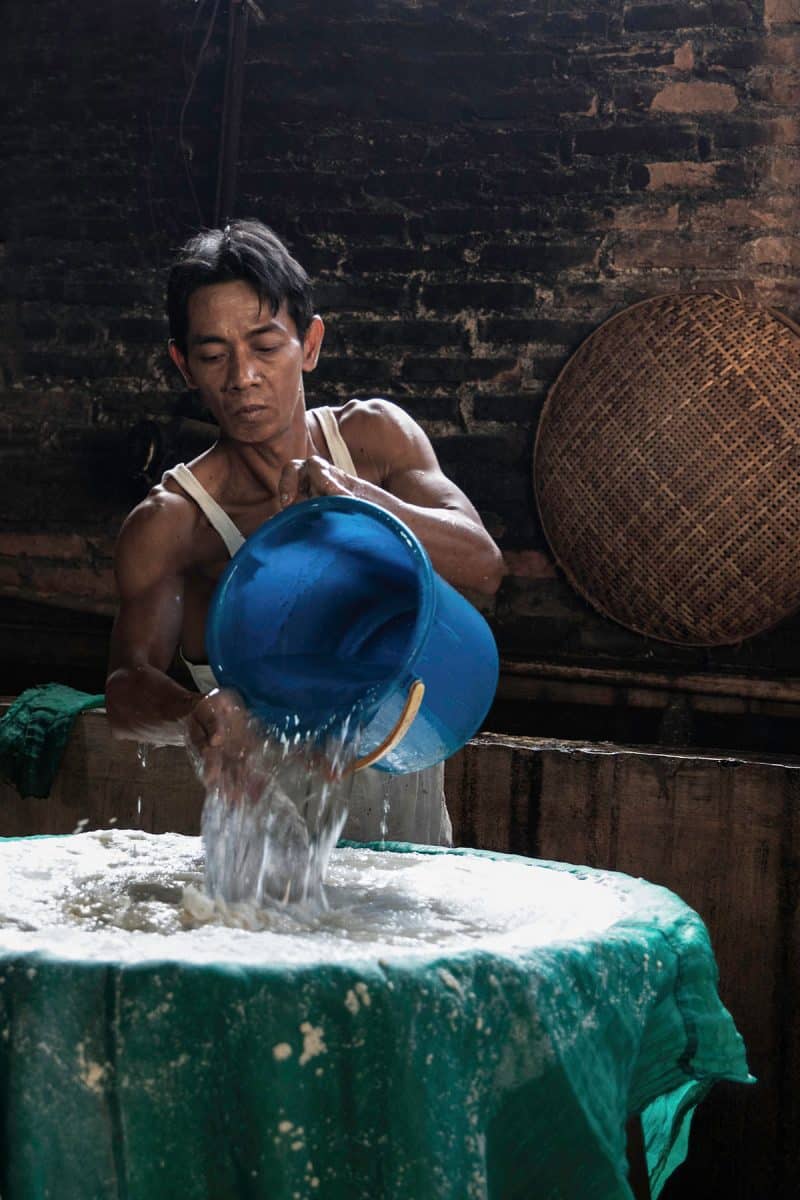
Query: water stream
273	812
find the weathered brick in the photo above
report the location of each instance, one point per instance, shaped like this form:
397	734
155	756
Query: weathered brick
579	26
529	564
646	138
514	407
653	250
783	90
646	18
75	581
371	372
542	256
781	51
484	296
776	251
681	175
780	12
784	131
10	578
400	260
742	134
77	332
44	545
359	223
358	295
38	327
742	214
695	97
647	216
504	143
417	369
523	102
503	330
785	172
736	14
66	365
374	335
683	59
777	291
587	180
144	330
487	467
737	55
425	407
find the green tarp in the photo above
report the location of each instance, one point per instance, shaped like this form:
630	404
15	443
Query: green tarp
34	733
469	1075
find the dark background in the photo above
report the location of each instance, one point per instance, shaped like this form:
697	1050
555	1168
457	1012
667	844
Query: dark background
473	185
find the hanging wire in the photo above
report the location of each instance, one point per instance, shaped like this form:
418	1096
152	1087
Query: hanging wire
192	82
187	33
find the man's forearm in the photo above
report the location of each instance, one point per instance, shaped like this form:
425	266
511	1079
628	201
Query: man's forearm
145	705
461	550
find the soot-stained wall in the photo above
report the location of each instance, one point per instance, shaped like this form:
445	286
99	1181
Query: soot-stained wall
474	185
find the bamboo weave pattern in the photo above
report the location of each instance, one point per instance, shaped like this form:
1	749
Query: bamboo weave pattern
667	468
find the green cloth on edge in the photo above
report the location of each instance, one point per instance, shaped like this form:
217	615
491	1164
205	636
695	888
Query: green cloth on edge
34	733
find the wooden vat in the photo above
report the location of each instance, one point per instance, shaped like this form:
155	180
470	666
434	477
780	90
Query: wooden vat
722	832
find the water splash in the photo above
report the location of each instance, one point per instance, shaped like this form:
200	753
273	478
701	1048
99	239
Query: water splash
385	799
273	812
142	754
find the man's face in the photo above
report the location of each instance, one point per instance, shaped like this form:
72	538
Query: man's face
246	362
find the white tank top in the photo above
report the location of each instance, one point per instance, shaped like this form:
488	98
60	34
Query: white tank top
219	520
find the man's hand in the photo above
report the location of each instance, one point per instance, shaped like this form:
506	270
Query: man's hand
303	478
220	736
219	718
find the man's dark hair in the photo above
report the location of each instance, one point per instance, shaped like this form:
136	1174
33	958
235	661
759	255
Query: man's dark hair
246	250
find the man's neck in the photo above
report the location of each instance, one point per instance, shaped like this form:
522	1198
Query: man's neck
264	461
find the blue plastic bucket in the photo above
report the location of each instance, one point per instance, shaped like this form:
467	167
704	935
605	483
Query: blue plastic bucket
331	609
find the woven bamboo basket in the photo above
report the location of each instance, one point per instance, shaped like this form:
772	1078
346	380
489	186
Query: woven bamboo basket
667	468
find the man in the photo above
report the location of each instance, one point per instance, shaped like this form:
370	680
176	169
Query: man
243	333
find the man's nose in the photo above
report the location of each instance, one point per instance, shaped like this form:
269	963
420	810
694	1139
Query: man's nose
242	371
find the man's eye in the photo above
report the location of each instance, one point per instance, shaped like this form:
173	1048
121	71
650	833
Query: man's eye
210	357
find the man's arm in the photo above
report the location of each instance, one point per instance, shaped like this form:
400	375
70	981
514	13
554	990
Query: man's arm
142	702
412	487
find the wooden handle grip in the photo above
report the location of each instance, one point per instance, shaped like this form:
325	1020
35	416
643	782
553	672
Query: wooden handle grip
410	710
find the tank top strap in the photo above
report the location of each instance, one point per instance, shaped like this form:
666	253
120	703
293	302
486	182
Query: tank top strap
216	516
337	447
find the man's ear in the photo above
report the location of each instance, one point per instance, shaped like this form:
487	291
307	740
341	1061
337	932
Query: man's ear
179	358
312	343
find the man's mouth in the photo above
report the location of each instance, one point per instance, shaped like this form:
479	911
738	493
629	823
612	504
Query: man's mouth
250	410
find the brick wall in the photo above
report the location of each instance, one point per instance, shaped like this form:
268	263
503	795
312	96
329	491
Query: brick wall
474	185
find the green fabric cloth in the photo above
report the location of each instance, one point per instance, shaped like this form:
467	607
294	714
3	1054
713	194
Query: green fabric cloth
34	733
467	1075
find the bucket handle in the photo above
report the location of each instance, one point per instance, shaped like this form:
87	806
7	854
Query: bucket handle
405	720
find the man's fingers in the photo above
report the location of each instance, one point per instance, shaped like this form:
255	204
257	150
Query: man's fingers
315	476
214	717
293	484
320	479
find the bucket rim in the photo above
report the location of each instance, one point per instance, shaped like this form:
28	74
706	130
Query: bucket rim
424	619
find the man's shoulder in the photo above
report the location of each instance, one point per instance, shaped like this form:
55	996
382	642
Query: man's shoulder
371	418
161	525
374	408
